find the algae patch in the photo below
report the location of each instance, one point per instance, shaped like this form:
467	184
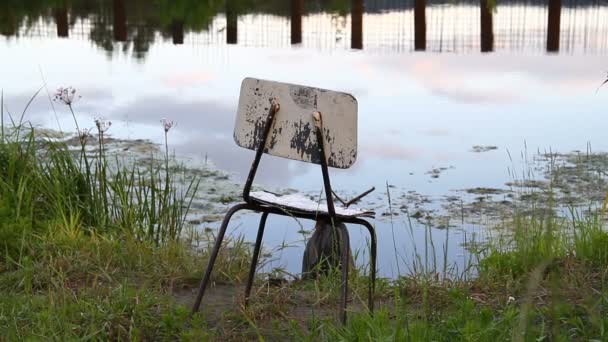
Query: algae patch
483	148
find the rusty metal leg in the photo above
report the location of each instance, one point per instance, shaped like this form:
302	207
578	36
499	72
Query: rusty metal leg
256	254
372	264
345	244
214	252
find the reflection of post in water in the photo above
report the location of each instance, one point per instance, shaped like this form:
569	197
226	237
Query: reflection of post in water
61	19
120	21
297	8
487	32
420	25
356	19
553	25
231	23
177	31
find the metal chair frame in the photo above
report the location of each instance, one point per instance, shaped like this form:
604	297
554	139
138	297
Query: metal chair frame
253	205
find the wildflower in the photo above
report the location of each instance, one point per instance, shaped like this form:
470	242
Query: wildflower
167	124
102	124
66	95
84	135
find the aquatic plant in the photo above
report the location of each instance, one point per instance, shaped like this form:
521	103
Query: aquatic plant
94	193
68	96
605	81
167	124
70	270
77	257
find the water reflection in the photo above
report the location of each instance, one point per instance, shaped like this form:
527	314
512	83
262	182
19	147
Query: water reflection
61	18
356	24
297	9
553	25
418	111
120	21
487	31
231	22
420	25
207	133
389	26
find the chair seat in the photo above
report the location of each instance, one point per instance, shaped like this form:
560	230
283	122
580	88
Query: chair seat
297	202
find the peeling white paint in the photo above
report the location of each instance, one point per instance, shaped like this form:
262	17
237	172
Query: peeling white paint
292	135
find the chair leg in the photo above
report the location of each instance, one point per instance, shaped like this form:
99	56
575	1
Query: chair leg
372	265
345	244
214	253
256	254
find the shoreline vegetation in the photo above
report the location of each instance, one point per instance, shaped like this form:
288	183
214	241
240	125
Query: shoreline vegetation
100	249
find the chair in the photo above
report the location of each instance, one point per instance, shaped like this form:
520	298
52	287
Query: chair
302	123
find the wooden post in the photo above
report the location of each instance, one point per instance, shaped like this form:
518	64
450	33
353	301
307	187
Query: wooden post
420	25
120	21
177	31
61	19
231	23
553	25
487	30
297	8
356	19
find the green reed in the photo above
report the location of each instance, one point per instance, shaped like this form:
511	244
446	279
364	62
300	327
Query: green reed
94	248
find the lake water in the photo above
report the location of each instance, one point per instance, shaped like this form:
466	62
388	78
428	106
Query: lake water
433	79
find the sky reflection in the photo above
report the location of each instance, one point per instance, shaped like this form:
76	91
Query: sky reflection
418	111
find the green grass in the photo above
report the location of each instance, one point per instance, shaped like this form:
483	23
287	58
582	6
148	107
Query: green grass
546	281
76	286
92	249
98	250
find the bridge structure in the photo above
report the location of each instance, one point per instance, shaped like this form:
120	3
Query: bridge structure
380	26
